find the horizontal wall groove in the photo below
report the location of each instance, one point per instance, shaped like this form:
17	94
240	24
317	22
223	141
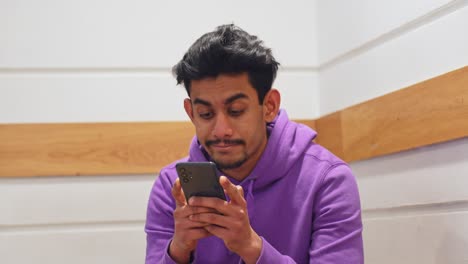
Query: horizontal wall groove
415	210
71	227
299	69
120	70
60	179
85	70
395	33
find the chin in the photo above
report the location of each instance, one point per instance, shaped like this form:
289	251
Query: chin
231	164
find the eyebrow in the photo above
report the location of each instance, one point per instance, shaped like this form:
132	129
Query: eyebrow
201	101
235	97
227	101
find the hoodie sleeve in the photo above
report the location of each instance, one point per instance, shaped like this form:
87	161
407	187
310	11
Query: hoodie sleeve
159	226
337	227
270	255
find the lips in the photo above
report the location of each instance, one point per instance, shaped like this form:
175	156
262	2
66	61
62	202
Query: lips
224	146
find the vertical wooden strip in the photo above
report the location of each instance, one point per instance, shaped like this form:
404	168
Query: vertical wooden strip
308	122
330	134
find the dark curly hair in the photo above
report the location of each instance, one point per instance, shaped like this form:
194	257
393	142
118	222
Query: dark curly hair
228	50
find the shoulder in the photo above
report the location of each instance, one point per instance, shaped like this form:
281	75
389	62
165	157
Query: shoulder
323	159
169	171
332	172
323	155
166	178
336	178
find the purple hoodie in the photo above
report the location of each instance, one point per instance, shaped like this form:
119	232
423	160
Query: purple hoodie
302	201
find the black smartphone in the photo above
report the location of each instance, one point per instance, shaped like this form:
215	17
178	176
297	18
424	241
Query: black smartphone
199	179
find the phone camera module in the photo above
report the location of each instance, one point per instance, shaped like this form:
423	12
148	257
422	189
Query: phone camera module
185	179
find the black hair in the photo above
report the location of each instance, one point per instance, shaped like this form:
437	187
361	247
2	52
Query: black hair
228	50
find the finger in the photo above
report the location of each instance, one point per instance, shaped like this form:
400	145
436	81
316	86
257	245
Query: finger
209	202
197	224
217	231
198	233
200	210
185	211
235	192
187	224
241	190
178	194
210	219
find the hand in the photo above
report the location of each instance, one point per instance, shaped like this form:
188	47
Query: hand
186	232
229	221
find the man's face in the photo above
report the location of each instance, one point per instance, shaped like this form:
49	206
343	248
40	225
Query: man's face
229	121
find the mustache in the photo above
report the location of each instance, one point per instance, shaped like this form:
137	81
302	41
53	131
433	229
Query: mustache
225	141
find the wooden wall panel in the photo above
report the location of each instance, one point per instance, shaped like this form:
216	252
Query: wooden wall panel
429	112
91	149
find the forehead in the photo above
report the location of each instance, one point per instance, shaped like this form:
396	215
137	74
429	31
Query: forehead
222	87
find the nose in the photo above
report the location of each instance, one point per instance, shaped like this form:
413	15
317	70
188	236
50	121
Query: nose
222	126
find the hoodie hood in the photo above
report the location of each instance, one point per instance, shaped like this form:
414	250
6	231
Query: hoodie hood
286	144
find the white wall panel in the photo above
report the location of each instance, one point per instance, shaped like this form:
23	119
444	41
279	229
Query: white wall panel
61	200
90	97
426	52
109	245
428	239
299	93
107	97
346	25
433	174
143	33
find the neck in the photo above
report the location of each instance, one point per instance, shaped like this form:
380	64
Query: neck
238	173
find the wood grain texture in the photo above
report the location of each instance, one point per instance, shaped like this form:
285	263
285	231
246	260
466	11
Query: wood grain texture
91	148
426	113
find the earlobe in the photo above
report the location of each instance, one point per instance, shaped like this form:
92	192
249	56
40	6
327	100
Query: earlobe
188	108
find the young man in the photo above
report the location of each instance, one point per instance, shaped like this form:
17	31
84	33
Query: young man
290	200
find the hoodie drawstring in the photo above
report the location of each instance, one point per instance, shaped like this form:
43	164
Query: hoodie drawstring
249	197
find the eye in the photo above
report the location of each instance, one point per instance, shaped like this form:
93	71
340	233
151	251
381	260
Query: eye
206	115
235	112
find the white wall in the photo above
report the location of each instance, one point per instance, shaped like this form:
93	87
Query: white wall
416	202
103	61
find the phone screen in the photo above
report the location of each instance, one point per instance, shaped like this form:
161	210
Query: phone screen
199	179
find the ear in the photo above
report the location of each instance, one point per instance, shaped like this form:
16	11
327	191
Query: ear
271	105
188	108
